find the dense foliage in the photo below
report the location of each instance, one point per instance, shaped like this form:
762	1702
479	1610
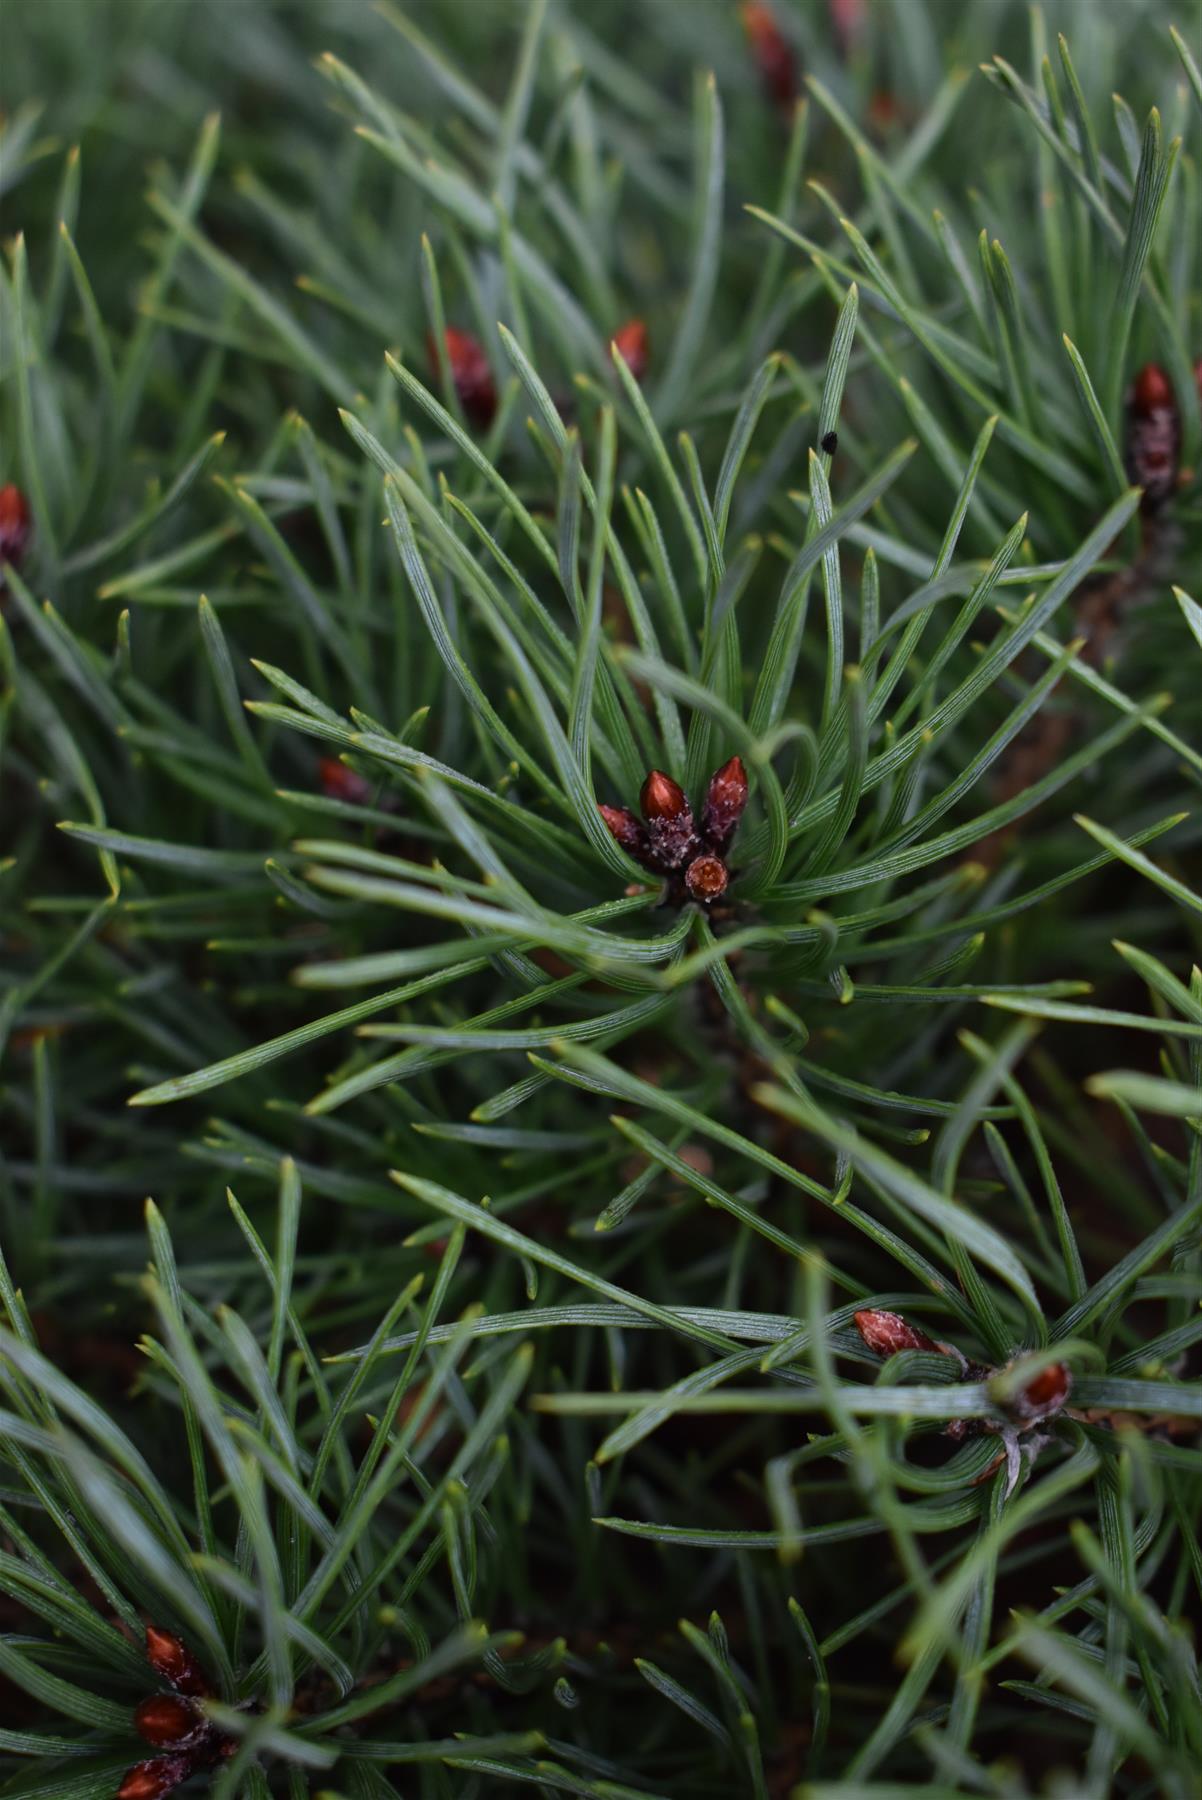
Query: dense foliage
510	1307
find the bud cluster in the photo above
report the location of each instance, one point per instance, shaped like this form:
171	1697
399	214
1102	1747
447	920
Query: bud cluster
173	1723
887	1333
668	841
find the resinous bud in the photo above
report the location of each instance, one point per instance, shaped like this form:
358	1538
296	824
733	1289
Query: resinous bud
1043	1395
15	524
173	1660
1153	446
725	799
168	1722
706	878
473	378
626	829
671	834
773	54
630	342
152	1780
885	1333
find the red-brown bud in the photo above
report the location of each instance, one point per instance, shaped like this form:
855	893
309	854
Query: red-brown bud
169	1722
338	782
630	342
1153	435
662	798
706	879
1150	389
725	799
1043	1395
671	834
848	17
884	112
471	374
15	524
173	1660
626	829
885	1333
151	1780
773	55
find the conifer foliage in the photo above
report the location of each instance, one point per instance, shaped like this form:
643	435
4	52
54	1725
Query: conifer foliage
600	765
